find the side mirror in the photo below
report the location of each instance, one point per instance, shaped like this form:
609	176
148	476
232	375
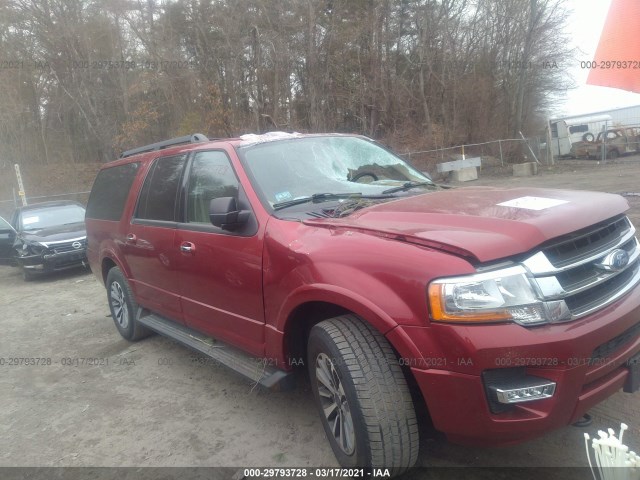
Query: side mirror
224	213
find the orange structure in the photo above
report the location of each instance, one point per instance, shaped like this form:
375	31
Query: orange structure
617	60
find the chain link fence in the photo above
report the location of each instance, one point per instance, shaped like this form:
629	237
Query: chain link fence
7	206
41	183
493	153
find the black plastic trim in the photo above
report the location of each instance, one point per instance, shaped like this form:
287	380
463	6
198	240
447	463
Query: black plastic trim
195	138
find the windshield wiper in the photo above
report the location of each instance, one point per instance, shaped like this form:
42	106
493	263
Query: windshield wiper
322	197
408	186
316	197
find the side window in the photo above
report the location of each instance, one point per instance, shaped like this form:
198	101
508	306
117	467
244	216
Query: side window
110	191
212	176
159	192
578	128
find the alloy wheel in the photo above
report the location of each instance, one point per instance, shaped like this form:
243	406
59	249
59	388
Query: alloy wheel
119	305
334	404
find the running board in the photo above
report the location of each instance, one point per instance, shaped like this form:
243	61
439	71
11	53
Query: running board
255	369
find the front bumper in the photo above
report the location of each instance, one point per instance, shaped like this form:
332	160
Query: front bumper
587	359
52	261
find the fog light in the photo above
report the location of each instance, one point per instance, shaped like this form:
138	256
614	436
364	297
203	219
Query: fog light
525	394
34	267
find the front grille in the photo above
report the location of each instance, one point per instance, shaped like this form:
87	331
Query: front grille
63	247
582	244
579	268
587	272
588	299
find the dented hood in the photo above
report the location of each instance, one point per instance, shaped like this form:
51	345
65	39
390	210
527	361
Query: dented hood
483	223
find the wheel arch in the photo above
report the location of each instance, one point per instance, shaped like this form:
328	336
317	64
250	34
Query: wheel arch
107	264
299	324
108	260
311	304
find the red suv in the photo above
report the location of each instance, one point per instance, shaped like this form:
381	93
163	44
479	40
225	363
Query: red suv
505	312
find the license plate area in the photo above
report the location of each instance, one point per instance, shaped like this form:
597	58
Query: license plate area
633	380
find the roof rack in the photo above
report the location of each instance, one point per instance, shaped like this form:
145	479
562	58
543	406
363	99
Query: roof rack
195	138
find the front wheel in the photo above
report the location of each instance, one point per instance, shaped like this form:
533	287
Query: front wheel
362	395
27	275
123	306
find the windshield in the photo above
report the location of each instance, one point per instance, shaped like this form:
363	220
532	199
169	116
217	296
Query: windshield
39	218
286	170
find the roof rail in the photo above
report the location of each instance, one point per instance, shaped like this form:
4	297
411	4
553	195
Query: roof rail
195	138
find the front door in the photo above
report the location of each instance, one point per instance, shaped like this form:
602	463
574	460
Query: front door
220	271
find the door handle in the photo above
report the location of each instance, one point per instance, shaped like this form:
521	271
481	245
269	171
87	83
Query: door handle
187	247
131	238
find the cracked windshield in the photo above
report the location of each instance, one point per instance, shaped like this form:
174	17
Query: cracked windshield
299	168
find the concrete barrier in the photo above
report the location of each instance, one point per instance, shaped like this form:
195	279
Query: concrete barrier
461	170
525	169
465	174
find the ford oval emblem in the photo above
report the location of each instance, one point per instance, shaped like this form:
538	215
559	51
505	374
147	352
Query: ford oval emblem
614	261
76	245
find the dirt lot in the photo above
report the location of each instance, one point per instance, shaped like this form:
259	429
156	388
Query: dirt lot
97	400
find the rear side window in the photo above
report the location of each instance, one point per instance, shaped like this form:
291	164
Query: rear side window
160	190
110	191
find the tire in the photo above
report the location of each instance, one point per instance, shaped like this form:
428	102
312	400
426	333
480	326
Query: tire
123	306
613	154
27	275
376	425
588	137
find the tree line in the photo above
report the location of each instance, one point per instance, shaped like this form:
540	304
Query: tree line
82	80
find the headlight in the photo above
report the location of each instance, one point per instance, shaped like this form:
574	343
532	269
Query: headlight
504	295
31	248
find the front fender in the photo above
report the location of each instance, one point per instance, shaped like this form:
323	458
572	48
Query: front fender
339	296
383	281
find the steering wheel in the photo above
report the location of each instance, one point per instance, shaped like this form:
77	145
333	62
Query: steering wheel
357	177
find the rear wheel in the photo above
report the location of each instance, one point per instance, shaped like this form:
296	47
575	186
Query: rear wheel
123	306
613	154
362	395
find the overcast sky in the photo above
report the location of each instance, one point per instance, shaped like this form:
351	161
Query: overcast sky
586	24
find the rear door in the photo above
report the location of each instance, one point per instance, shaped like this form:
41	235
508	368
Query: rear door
220	271
150	249
7	237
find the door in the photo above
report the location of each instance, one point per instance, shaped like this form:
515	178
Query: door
7	237
150	249
220	271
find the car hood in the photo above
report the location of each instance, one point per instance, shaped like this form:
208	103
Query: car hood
483	223
55	234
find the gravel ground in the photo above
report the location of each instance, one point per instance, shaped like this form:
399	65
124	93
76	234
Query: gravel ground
97	400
